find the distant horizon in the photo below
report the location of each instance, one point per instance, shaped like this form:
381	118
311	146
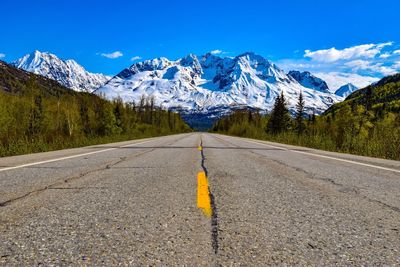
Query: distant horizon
338	42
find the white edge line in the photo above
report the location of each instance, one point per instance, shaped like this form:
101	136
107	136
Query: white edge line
322	156
69	157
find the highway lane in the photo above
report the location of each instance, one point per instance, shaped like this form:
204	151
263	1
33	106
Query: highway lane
135	203
280	207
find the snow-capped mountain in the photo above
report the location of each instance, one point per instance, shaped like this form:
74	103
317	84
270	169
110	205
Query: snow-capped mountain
66	72
308	80
209	83
346	90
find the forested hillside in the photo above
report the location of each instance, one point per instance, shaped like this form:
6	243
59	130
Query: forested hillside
380	98
366	123
38	114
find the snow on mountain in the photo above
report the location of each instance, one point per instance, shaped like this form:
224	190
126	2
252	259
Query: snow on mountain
308	80
346	90
208	83
67	72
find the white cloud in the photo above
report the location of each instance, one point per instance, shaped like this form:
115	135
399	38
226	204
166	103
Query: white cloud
335	74
396	65
358	64
337	79
384	55
136	58
385	70
112	55
378	67
382	45
359	51
2	55
217	52
301	65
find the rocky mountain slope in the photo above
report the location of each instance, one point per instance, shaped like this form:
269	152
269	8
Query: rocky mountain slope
211	85
67	72
20	82
308	80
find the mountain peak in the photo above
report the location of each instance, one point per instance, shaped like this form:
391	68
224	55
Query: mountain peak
32	62
192	61
68	73
36	54
189	60
308	80
251	56
210	59
248	54
252	60
147	65
346	90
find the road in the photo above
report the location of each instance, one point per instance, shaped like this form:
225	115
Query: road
139	203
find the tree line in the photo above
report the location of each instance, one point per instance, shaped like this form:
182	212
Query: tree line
357	127
33	121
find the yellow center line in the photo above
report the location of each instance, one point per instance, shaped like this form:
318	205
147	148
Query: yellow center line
203	195
200	148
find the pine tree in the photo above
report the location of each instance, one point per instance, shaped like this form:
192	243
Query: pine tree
368	98
36	117
299	115
84	116
280	118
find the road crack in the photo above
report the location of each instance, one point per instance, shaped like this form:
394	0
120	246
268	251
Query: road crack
59	184
345	189
214	216
340	187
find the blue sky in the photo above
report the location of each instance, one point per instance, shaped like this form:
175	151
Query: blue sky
104	36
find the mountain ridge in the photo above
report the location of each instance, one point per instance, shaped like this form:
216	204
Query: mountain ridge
67	72
17	81
205	83
308	80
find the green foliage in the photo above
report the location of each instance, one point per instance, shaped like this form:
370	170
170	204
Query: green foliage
280	117
351	130
380	98
34	118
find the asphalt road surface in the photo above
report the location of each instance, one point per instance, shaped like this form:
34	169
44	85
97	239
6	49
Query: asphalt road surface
136	203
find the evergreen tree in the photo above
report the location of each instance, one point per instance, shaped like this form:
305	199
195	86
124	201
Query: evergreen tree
313	117
368	98
35	117
300	115
280	117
